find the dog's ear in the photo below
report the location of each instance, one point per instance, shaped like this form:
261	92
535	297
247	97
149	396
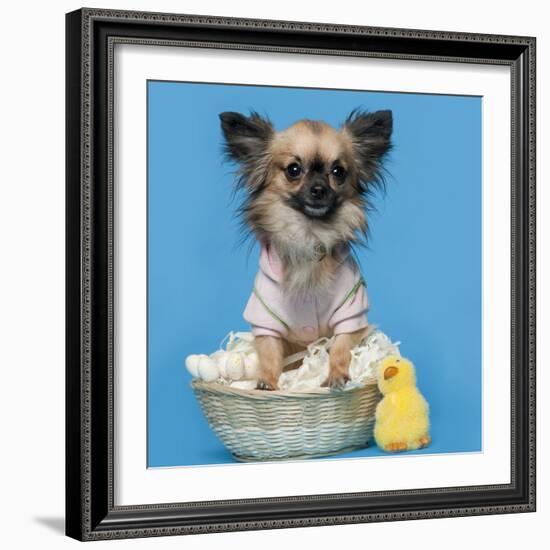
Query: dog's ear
246	137
370	134
247	142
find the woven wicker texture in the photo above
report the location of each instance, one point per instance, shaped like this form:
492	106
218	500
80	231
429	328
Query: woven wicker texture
258	425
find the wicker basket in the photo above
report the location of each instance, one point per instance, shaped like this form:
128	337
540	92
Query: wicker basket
258	425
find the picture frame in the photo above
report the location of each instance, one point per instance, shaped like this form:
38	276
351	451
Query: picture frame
91	319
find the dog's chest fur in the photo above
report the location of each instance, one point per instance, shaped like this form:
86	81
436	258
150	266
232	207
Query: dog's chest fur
308	267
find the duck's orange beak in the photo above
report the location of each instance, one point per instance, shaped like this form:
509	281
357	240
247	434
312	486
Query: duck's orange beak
390	372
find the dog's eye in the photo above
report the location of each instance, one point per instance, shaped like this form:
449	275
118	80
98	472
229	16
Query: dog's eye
339	172
294	170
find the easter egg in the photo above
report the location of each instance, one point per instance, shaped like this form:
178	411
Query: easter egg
251	366
192	364
221	361
235	366
207	369
231	365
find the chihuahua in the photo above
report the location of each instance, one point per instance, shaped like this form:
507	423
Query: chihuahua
307	190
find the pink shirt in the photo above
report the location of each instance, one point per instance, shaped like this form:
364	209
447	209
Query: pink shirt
306	318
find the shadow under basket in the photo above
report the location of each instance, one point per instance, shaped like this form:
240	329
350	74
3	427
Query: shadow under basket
257	425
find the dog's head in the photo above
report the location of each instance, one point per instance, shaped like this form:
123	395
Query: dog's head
310	177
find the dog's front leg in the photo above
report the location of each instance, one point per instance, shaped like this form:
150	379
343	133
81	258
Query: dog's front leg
340	358
270	354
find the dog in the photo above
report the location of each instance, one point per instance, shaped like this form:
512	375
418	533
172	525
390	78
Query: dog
307	194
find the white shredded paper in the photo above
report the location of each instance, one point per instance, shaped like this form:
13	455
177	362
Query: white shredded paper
315	365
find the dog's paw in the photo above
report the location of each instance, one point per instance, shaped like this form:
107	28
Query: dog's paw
336	380
263	385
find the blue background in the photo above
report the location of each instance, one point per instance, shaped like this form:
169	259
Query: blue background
422	265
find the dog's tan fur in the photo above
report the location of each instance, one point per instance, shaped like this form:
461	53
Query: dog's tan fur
264	155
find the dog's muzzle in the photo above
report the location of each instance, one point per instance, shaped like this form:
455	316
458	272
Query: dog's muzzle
318	200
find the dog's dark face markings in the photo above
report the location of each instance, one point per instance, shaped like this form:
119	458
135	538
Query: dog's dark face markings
315	185
310	168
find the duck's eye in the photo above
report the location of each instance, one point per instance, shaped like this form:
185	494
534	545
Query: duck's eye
339	172
294	170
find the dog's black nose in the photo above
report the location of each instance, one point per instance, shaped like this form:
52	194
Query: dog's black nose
318	191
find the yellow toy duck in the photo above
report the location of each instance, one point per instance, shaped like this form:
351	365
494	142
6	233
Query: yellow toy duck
402	416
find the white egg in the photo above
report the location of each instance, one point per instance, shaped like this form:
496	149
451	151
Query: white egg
208	370
231	365
251	366
221	361
234	365
192	363
216	355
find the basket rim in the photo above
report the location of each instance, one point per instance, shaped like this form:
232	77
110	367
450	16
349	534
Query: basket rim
215	387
